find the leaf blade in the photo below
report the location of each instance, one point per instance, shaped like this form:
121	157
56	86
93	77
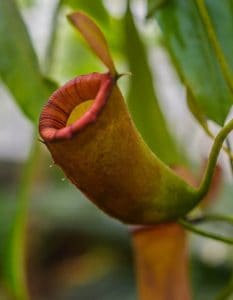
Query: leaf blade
194	57
142	100
19	68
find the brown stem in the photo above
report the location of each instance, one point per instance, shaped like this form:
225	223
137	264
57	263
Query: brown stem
161	262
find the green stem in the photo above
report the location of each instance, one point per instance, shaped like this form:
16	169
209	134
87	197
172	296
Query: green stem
230	158
219	139
189	226
217	217
211	217
215	43
226	148
16	255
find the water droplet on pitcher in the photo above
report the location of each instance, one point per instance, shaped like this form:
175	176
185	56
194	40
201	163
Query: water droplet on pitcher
63	179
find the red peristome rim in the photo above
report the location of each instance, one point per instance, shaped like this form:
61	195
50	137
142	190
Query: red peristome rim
52	123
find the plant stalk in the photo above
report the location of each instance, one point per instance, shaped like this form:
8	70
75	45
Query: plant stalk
161	259
15	263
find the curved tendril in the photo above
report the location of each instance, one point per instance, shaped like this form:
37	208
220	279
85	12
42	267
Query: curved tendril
226	149
216	148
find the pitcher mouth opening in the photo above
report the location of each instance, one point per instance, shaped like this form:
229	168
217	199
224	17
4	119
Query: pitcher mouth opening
74	106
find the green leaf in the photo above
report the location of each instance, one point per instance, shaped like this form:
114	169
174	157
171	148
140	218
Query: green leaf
19	68
142	99
15	247
194	54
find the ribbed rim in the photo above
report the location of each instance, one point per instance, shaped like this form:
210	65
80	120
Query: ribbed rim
54	116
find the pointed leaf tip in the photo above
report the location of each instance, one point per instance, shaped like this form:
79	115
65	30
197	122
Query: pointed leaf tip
94	37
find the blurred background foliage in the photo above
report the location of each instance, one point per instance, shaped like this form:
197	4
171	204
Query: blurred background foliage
73	250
